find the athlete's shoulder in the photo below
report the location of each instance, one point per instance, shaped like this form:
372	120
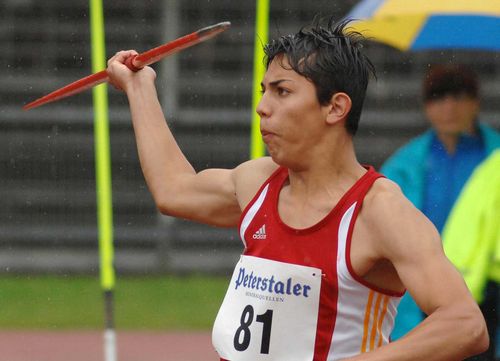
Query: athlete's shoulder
249	177
394	222
385	204
384	192
255	170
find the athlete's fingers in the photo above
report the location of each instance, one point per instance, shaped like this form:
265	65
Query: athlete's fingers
122	56
119	74
117	71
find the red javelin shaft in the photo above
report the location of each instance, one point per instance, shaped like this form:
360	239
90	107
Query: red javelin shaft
134	63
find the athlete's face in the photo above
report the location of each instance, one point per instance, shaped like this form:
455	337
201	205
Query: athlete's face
292	120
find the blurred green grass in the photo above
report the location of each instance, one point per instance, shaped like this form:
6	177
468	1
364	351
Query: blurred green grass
76	302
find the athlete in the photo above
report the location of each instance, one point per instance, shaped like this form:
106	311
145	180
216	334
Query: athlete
330	245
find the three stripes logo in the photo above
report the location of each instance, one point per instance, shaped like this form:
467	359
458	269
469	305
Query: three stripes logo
261	233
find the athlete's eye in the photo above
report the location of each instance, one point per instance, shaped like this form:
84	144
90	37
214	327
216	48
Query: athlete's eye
282	91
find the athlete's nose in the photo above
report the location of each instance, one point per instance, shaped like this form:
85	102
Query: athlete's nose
263	107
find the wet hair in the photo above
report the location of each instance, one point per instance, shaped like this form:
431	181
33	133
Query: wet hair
449	79
330	57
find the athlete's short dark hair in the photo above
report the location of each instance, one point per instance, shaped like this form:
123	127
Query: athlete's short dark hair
330	57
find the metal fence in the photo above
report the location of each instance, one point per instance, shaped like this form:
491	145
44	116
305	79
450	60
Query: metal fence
47	218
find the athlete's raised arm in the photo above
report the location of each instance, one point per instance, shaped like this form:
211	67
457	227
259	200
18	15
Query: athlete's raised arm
212	196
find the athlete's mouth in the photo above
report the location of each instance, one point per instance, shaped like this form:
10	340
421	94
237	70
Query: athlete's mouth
266	135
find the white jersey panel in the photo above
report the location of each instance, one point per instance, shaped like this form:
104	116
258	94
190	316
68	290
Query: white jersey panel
365	317
251	213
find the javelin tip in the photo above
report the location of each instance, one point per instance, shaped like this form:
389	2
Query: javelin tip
215	29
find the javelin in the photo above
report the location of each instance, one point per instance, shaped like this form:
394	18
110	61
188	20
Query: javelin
134	63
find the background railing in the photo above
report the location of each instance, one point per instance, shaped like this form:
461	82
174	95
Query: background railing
47	186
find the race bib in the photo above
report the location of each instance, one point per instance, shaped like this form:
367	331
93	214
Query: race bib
270	312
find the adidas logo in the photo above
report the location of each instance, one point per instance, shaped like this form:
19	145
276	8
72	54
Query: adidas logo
261	233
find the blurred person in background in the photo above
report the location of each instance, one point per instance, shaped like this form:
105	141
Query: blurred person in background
471	235
432	168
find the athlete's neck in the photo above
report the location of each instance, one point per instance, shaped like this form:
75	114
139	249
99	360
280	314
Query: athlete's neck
330	172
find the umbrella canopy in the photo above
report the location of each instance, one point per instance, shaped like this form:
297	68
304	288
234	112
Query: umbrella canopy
430	24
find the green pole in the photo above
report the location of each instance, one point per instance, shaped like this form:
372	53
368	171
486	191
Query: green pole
257	148
103	176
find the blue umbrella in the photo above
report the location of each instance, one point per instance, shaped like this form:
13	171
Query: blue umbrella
430	24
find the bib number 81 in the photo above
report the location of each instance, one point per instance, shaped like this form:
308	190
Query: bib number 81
243	335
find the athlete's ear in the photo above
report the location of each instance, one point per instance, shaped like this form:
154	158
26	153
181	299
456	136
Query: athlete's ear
339	108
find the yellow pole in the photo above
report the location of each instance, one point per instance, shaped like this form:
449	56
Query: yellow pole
103	175
257	148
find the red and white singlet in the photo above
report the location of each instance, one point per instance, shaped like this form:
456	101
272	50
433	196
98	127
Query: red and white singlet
294	295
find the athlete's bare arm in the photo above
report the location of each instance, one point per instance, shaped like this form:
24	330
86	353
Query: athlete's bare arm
455	328
212	196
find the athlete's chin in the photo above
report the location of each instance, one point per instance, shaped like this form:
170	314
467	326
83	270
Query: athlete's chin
279	155
275	156
280	159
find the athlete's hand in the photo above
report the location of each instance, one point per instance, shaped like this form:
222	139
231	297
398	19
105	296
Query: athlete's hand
121	77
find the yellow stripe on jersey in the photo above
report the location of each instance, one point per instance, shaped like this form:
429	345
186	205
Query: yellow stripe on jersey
381	319
379	312
367	321
375	321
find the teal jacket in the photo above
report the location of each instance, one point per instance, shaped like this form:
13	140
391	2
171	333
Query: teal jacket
407	167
